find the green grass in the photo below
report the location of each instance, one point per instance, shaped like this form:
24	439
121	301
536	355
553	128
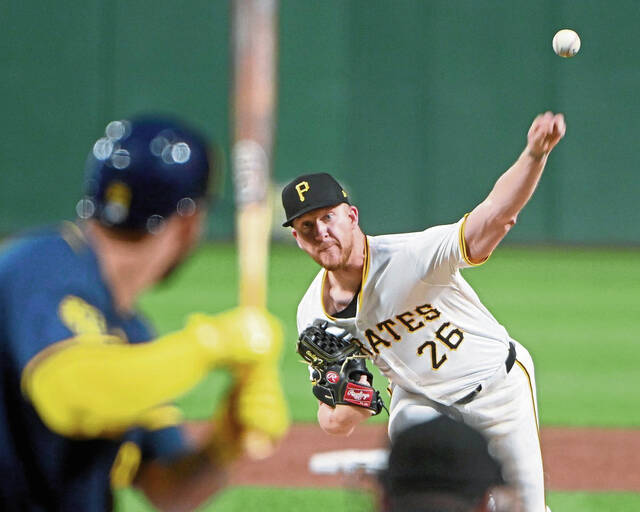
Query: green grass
578	313
258	499
576	310
261	499
593	501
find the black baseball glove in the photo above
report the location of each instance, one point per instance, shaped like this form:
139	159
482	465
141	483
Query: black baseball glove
337	364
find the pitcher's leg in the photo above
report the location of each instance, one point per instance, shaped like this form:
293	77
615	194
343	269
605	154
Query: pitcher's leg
407	409
507	415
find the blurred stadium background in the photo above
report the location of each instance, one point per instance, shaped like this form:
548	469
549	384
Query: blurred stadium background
417	106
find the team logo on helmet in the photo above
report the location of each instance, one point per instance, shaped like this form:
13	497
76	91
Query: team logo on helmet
333	377
117	202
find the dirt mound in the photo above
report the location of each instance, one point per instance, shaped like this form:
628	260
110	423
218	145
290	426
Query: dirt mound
574	459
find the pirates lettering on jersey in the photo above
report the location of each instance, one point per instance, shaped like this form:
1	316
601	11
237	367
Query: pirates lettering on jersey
363	347
428	312
375	340
446	334
386	325
408	319
409	322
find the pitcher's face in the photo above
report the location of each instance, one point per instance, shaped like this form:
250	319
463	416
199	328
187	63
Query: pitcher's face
327	234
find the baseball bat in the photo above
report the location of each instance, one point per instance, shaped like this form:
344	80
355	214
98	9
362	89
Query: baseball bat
254	43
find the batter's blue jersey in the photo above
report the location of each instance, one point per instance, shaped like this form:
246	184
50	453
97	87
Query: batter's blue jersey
51	289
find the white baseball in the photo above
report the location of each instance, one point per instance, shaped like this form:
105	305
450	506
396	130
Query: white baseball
566	43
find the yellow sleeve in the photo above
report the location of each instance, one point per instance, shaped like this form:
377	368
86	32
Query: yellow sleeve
93	385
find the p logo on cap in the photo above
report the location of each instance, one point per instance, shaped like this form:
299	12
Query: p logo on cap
302	188
310	192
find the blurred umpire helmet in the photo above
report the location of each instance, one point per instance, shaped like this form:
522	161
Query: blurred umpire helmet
142	171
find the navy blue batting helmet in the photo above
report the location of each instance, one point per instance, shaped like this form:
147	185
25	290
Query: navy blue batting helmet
142	171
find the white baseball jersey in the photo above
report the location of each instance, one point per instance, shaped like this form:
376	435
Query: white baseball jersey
428	332
423	324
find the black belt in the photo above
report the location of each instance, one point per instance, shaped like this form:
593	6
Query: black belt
511	358
508	363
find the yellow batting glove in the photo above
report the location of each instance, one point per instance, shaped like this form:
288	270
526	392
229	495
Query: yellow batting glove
261	405
241	336
253	417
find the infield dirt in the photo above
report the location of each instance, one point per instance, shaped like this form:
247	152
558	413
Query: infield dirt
574	458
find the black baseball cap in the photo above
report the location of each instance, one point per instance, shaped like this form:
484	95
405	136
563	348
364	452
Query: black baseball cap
441	456
309	192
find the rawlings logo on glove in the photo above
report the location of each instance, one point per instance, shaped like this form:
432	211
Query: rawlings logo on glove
358	394
338	366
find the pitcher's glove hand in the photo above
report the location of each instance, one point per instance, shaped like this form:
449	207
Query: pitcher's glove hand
337	365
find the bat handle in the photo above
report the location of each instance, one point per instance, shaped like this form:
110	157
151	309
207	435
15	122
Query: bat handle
253	231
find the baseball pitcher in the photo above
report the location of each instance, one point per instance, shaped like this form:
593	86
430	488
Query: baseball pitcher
402	300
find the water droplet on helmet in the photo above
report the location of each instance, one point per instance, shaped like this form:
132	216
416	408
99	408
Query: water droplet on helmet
121	159
155	224
181	152
167	157
186	207
85	208
157	145
115	130
103	148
